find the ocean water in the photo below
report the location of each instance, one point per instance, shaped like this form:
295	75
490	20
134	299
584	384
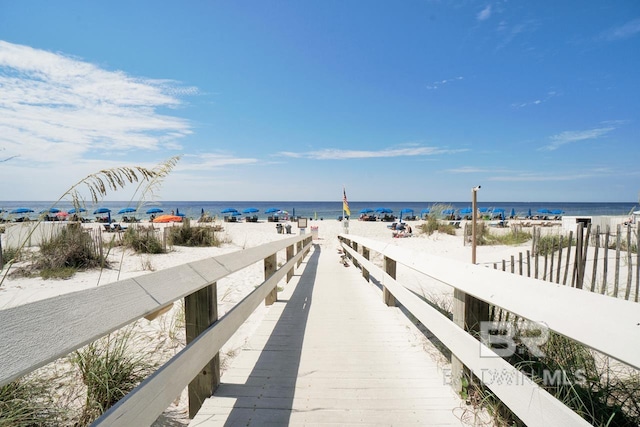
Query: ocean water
323	210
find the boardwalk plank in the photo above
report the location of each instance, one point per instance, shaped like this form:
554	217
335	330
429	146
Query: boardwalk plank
329	352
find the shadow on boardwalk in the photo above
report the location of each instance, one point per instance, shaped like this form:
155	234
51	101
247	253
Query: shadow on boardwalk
269	386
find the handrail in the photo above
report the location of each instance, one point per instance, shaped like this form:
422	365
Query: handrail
37	333
531	403
149	399
614	332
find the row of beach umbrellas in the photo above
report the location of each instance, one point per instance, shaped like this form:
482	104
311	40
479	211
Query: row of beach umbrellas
383	210
98	211
462	211
235	212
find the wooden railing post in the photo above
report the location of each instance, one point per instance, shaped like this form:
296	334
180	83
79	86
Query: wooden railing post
201	311
289	256
366	255
355	261
299	247
270	266
307	241
390	269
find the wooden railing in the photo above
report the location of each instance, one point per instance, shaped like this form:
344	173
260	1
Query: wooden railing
615	331
38	333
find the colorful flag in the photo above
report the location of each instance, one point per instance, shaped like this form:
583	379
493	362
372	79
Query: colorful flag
345	203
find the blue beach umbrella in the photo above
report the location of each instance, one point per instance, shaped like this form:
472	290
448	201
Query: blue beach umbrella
425	211
229	210
104	211
513	213
21	211
154	210
499	212
544	211
126	210
466	211
74	210
557	212
448	211
529	213
250	210
384	210
51	210
366	210
272	210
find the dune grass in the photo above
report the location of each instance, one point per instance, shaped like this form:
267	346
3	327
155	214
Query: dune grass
198	236
110	369
143	240
432	225
27	402
603	392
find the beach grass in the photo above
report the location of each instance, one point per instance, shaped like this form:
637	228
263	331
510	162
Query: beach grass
603	392
143	240
432	225
61	255
198	236
28	402
110	368
546	245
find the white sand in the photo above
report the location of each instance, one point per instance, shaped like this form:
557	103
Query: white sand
15	291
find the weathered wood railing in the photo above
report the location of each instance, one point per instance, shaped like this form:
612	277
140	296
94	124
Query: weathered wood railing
615	331
38	333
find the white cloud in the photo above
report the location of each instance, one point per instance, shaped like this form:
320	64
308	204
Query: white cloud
208	161
549	95
56	108
624	31
567	137
436	85
338	154
484	14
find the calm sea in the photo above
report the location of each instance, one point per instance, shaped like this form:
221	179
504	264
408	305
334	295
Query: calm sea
326	210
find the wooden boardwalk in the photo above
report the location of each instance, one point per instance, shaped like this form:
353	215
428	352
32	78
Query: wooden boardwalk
330	352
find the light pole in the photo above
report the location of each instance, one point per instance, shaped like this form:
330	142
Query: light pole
474	217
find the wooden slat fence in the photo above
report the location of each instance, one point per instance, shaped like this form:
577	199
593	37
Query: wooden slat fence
583	260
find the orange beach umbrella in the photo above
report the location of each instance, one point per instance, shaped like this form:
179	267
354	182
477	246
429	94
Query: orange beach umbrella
168	218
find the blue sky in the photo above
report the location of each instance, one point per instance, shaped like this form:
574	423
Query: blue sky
291	100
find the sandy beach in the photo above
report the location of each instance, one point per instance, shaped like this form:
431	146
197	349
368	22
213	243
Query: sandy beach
125	264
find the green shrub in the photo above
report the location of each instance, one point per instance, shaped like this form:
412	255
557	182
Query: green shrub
514	237
186	235
432	225
62	254
143	240
9	254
